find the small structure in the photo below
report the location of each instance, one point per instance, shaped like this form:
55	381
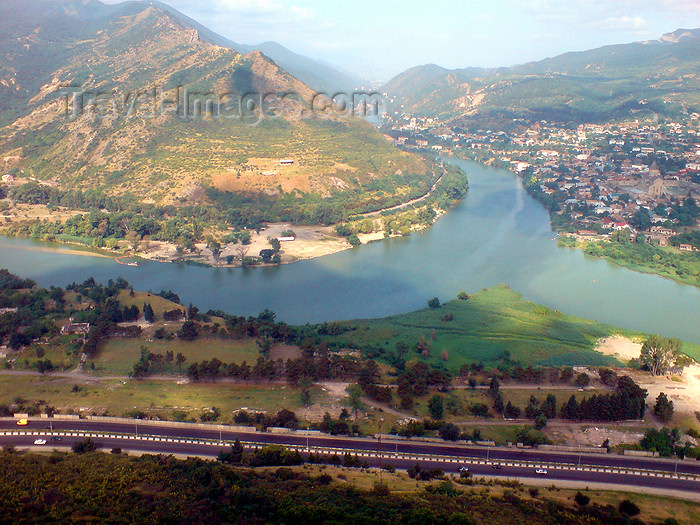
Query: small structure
286	239
75	328
687	248
8	178
287	162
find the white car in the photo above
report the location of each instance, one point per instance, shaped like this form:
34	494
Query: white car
541	472
464	469
40	442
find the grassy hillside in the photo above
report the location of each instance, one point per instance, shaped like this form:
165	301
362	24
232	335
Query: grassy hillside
485	327
123	142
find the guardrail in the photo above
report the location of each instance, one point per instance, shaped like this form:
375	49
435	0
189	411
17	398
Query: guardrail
385	456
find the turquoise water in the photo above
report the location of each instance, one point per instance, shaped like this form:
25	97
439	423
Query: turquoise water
497	235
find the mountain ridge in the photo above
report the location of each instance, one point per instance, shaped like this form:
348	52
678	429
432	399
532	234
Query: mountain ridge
654	75
122	56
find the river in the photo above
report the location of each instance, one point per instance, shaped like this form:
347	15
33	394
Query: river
498	234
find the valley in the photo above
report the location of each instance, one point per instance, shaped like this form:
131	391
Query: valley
241	283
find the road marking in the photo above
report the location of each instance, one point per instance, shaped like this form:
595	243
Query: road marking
370	453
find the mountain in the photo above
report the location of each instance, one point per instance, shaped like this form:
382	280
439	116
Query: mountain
127	132
652	76
321	77
318	75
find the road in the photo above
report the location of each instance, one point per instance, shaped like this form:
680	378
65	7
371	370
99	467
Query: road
596	469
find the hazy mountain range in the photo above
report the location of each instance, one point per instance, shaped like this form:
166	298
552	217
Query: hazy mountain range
660	75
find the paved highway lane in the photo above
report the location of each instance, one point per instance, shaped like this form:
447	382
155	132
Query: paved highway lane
168	446
405	447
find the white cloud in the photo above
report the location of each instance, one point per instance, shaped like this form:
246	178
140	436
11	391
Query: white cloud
621	23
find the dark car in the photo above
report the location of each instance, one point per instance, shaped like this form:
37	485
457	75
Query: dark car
497	466
56	438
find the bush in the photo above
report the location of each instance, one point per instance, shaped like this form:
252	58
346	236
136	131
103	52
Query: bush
84	446
434	303
628	508
275	455
581	499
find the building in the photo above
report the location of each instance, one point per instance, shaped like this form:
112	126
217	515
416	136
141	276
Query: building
75	328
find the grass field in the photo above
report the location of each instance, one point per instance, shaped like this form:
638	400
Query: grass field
487	325
158	304
117	356
156	398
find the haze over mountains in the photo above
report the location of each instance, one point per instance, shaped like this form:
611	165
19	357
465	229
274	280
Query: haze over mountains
660	76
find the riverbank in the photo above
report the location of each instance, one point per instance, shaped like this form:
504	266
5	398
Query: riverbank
670	263
227	248
667	262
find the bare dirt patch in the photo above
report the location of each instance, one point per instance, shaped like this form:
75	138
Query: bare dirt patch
284	352
310	242
620	347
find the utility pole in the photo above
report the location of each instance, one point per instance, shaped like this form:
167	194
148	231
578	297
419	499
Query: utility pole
579	456
381	420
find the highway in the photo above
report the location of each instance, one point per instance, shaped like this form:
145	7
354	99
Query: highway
683	476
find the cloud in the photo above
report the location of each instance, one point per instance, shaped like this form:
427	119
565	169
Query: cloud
621	23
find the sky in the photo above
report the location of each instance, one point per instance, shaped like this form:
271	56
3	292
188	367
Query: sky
377	39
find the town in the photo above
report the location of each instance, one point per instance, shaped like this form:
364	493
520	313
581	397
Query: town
639	176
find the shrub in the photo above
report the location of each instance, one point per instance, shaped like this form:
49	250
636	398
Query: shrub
84	446
581	499
628	508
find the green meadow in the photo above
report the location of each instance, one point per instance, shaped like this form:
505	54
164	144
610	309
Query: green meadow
484	327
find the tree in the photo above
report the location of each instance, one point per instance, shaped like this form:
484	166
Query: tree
242	252
192	312
148	313
582	380
189	331
434	303
180	360
641	220
463	296
663	407
511	411
305	393
215	247
540	421
449	432
354	240
235	456
267	254
354	398
275	243
436	407
660	353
